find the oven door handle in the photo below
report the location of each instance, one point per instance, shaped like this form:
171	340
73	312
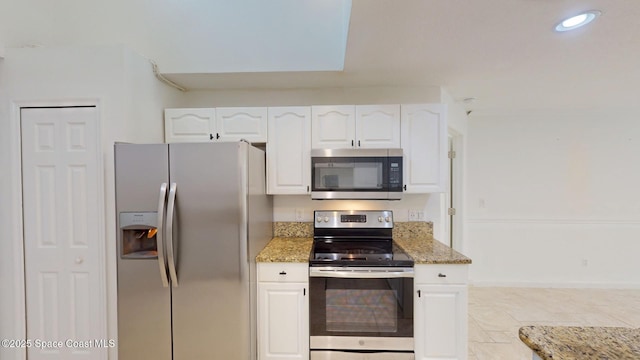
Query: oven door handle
361	273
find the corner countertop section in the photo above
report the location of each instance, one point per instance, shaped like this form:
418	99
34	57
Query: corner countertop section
286	249
584	343
292	243
430	251
416	239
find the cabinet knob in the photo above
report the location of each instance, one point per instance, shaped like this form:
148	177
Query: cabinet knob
358	143
405	188
79	260
442	275
210	136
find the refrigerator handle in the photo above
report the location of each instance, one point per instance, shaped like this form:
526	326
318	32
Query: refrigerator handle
171	254
162	260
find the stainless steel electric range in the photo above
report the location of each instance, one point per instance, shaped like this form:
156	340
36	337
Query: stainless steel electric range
361	288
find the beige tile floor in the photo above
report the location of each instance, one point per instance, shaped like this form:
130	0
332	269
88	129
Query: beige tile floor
496	314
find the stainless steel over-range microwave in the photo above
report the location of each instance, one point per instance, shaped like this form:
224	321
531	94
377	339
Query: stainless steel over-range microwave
374	174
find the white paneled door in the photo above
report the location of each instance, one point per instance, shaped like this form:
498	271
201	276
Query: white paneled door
63	234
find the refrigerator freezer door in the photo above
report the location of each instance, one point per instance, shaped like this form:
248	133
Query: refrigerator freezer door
162	258
144	305
211	304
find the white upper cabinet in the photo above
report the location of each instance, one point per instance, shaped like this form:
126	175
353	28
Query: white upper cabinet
189	125
355	126
378	126
289	150
249	123
216	124
333	127
424	143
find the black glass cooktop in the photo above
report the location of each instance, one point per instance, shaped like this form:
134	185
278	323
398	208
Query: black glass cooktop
360	252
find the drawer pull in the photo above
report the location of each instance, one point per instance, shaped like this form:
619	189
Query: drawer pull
283	273
442	275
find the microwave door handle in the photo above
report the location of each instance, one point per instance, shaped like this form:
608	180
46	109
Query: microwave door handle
171	254
162	260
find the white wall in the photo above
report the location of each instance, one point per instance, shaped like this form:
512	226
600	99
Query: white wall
311	96
6	267
553	198
130	102
192	36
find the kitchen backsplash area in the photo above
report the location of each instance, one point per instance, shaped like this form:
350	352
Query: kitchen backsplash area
413	229
400	229
412	207
292	229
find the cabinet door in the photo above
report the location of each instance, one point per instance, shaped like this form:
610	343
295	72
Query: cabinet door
440	322
283	321
288	150
333	127
424	142
378	126
233	124
189	125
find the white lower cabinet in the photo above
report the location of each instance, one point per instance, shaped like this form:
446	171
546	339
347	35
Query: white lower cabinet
283	311
440	314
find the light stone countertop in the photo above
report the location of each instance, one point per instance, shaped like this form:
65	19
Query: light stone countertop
582	343
292	243
286	249
430	251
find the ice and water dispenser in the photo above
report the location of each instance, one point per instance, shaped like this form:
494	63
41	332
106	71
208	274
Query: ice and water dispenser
138	233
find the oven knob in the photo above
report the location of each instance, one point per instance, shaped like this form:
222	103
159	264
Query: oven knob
319	219
379	218
387	219
326	219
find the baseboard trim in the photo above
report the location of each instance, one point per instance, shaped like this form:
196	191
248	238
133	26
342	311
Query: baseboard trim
553	221
569	285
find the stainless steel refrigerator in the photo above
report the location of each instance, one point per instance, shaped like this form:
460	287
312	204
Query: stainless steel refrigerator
191	219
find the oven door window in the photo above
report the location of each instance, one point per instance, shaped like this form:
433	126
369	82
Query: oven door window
361	307
349	174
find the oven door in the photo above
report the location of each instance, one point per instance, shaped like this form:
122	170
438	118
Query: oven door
360	310
356	355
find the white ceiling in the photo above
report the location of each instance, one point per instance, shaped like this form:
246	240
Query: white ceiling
502	52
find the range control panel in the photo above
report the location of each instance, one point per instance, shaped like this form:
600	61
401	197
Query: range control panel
336	219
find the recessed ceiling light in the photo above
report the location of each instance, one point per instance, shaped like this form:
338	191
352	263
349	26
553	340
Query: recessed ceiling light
577	21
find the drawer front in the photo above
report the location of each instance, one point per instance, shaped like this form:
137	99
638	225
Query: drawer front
441	274
283	272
